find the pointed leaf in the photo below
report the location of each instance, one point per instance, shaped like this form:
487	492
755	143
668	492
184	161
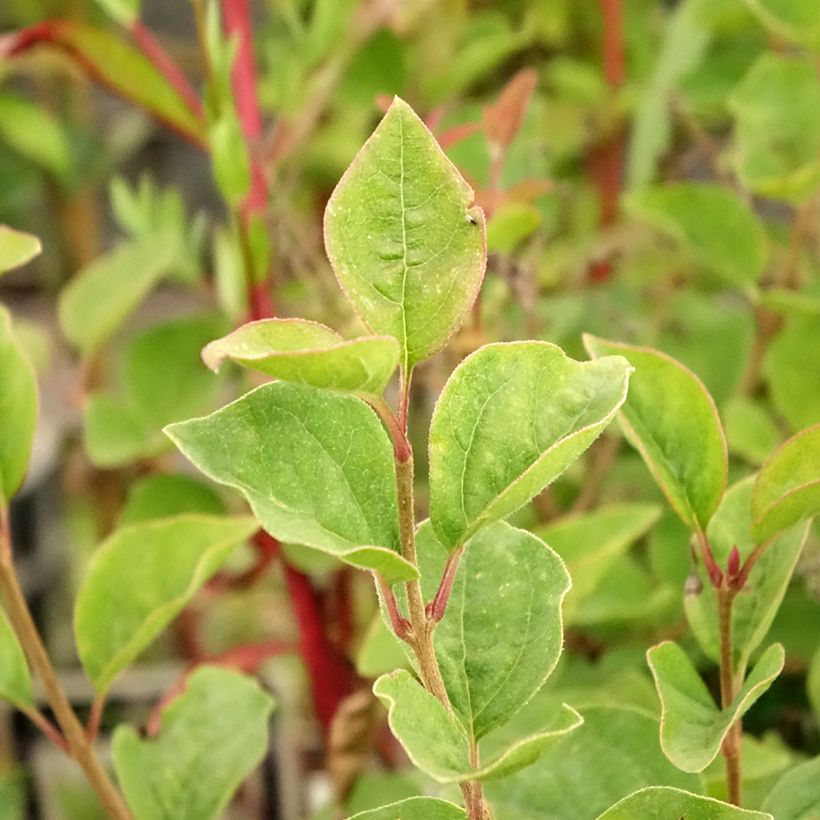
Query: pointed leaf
16	248
713	224
660	802
300	351
672	421
754	609
692	726
796	796
15	679
415	808
787	487
18	410
501	636
510	420
316	468
436	742
405	245
140	579
212	738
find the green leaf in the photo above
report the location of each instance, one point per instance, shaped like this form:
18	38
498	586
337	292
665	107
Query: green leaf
754	609
501	636
512	223
497	437
18	410
229	158
405	245
166	494
140	578
713	224
796	20
750	431
813	682
381	651
36	134
777	127
415	808
113	433
692	727
661	802
436	742
670	418
619	745
787	488
213	736
15	680
316	467
590	544
125	12
300	351
796	796
17	248
97	300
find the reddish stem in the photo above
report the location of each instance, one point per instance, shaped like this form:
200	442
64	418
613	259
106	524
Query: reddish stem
438	606
400	624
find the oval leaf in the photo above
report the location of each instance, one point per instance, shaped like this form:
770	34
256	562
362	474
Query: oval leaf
787	487
415	808
671	419
316	467
15	679
213	736
140	579
16	248
796	796
18	410
692	727
300	351
663	801
400	234
509	421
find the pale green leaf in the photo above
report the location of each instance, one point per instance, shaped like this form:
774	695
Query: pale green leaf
381	651
300	351
18	410
713	224
403	240
229	157
436	742
796	795
754	609
16	248
619	746
166	494
415	808
795	20
510	225
777	127
790	302
212	738
125	12
97	300
36	134
15	679
665	803
813	683
141	578
316	467
510	420
501	636
692	726
787	487
750	431
590	544
670	418
113	433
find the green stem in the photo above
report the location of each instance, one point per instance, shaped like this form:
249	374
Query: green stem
731	743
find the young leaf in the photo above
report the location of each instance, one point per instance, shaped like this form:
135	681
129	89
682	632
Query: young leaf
619	745
300	351
663	801
100	296
37	134
15	680
510	420
713	224
796	796
140	579
166	494
316	468
501	637
787	487
590	544
212	737
113	433
754	609
401	236
436	742
672	421
692	727
16	248
18	410
415	808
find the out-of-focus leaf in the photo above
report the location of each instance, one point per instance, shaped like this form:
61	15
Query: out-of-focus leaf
796	20
510	225
750	431
35	134
166	494
16	248
796	796
15	680
415	808
662	802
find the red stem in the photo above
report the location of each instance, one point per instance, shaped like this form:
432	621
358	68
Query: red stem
438	606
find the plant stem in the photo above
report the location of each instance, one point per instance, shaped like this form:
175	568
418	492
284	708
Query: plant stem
78	743
731	743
